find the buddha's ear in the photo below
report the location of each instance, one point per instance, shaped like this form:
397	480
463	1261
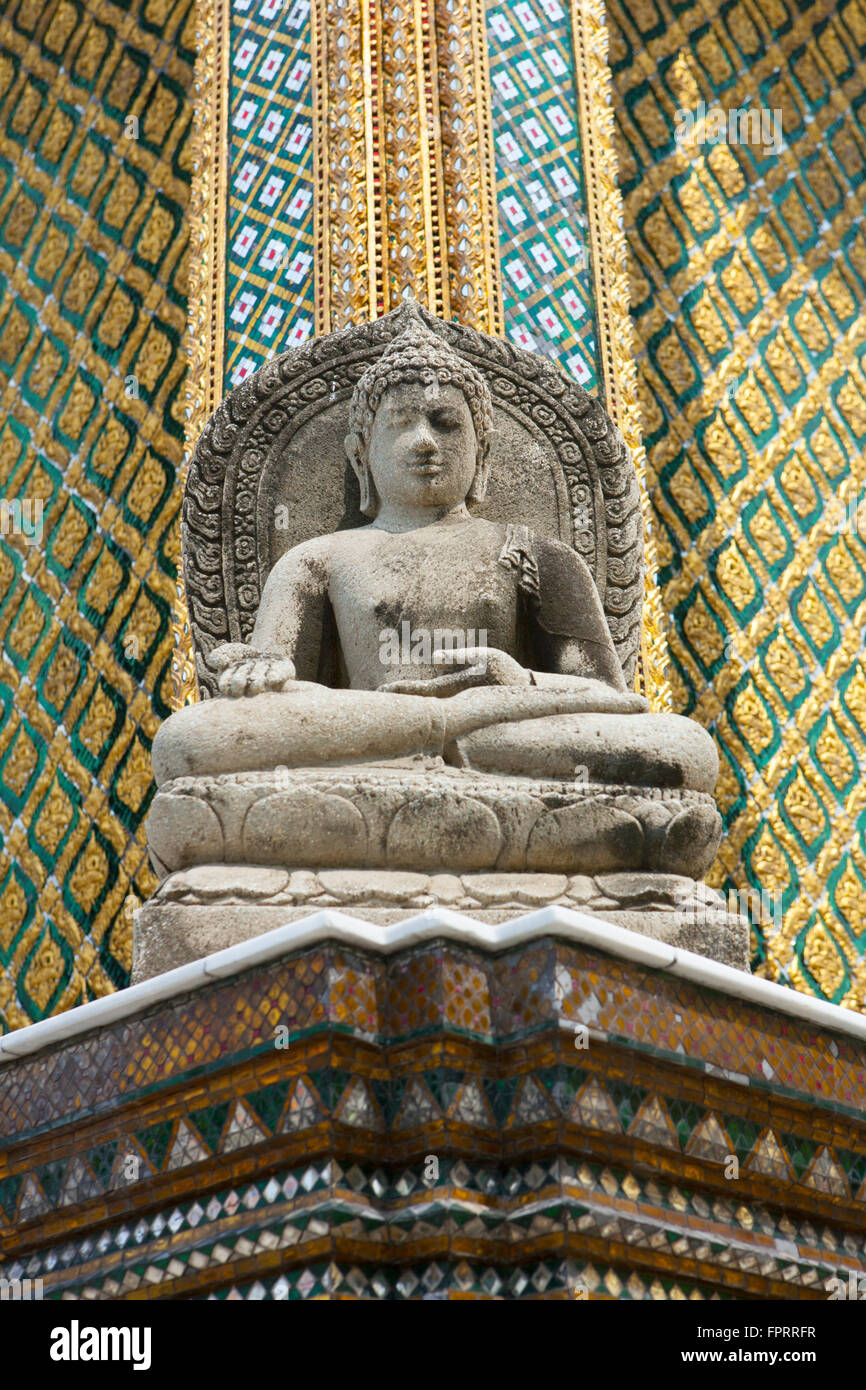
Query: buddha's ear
358	459
369	500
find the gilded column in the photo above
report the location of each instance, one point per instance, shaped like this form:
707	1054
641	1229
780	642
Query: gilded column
206	310
404	161
615	330
348	162
472	247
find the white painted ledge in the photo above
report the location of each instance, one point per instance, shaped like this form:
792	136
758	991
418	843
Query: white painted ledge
561	922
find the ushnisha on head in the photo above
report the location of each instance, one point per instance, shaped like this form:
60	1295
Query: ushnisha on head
417	356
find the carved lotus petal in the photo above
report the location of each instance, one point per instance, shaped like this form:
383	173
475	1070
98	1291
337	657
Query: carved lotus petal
183	830
691	842
586	839
301	827
439	830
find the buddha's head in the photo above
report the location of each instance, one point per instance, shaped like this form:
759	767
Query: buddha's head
420	425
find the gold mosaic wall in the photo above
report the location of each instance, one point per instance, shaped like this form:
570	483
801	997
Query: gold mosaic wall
747	277
94	184
748	292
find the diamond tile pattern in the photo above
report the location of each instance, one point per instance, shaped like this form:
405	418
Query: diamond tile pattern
539	185
747	265
95	170
270	247
294	1211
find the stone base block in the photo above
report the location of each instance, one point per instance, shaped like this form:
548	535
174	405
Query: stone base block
207	908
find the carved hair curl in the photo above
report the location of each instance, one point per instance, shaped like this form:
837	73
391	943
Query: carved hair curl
417	355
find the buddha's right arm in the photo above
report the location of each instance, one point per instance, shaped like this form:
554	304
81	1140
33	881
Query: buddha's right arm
285	642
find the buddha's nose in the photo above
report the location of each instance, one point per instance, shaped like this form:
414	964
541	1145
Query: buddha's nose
424	445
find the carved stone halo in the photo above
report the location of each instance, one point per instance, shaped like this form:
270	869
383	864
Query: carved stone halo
270	471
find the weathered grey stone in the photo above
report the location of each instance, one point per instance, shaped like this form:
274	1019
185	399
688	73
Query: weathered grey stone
581	888
691	842
536	889
551	442
522	888
169	933
303	884
444	832
184	830
636	888
340	743
297	826
347	813
490	888
585	837
353	885
214	881
446	888
659	750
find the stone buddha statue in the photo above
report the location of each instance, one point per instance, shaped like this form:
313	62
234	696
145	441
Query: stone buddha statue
422	703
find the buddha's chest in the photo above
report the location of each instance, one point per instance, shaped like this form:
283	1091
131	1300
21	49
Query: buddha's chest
457	586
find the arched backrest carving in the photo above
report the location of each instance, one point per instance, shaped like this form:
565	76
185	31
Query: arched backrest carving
270	470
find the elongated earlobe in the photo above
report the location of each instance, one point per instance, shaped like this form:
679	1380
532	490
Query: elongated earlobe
479	482
369	502
357	458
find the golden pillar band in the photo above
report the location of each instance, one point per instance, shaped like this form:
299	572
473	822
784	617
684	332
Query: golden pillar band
404	162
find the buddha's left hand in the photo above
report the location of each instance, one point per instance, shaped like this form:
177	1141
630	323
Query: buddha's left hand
477	666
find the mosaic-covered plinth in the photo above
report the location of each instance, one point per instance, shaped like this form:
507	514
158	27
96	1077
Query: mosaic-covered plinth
270	1134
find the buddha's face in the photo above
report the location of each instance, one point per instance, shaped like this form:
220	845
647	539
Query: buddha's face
423	450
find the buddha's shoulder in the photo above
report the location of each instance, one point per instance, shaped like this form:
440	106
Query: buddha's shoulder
534	543
313	556
558	557
544	561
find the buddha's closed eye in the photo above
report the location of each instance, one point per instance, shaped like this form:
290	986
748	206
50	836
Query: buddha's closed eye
445	420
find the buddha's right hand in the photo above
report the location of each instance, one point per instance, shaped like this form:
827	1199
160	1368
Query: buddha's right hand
243	671
471	666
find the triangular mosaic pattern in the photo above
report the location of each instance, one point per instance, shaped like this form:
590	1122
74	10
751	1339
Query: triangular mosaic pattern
531	1202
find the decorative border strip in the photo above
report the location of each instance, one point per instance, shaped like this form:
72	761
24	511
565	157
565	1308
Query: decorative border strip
205	335
339	926
474	137
294	1204
321	164
615	329
212	88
